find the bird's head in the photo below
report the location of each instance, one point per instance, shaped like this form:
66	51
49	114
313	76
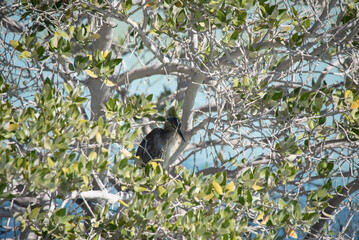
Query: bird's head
174	123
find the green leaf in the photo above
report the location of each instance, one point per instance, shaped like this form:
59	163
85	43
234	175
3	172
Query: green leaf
246	81
50	163
54	41
322	193
80	100
62	34
249	197
150	215
348	96
281	203
310	123
3	187
68	88
324	168
34	213
85	179
93	132
140	189
92	156
161	191
278	95
11	127
65	219
297	39
123	164
128	4
221	16
181	18
297	211
60	212
7	195
95	36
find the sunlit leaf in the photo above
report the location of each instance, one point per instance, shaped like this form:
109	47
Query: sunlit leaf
109	83
86	180
153	164
91	73
230	187
95	36
50	163
256	187
310	123
140	189
355	104
68	88
161	191
98	138
348	95
54	41
217	187
65	171
245	81
47	143
105	53
24	55
281	203
12	127
208	197
260	216
290	232
123	203
92	156
62	34
126	153
14	43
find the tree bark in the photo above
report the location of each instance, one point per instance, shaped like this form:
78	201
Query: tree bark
333	205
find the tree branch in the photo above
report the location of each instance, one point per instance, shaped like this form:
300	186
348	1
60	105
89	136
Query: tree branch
101	195
333	205
147	71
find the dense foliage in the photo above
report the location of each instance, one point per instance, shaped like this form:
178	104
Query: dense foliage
268	96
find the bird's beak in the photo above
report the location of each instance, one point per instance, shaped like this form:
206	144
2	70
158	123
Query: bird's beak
180	133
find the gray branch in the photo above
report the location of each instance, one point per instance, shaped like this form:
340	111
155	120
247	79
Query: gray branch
333	205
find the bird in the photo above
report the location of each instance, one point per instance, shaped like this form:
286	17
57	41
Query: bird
161	143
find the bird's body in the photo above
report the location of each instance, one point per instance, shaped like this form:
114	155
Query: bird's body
161	143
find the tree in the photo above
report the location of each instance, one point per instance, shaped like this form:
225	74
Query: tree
268	97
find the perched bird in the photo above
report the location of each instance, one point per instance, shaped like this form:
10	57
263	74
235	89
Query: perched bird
161	143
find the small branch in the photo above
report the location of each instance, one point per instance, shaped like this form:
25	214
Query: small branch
9	212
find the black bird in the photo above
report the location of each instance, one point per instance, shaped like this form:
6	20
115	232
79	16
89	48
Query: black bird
161	143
